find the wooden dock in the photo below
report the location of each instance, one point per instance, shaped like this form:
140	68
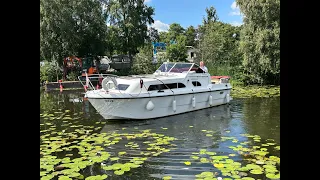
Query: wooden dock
65	84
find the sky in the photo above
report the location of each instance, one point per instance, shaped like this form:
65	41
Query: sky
191	12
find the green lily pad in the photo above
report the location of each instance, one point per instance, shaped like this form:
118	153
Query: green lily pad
107	168
204	160
247	178
47	177
195	157
64	178
125	168
271	144
42	173
253	166
114	159
273	176
205	174
118	172
97	177
187	163
121	153
218	165
166	177
235	176
256	171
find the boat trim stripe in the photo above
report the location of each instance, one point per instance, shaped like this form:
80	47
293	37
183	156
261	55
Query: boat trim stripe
157	96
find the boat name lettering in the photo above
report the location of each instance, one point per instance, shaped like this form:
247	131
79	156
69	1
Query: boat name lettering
109	100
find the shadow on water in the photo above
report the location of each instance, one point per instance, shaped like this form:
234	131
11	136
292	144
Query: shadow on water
214	129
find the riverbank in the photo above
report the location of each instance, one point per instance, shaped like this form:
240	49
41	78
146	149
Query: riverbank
238	90
241	91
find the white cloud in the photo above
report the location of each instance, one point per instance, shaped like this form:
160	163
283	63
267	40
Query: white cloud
236	23
236	10
147	1
234	6
235	13
160	26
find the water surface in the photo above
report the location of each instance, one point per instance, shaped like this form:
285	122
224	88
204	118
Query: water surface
198	136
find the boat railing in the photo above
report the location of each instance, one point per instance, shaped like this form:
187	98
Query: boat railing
87	82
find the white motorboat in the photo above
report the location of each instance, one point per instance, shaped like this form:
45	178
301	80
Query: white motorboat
174	88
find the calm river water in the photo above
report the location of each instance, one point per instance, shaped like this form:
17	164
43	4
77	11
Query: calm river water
239	140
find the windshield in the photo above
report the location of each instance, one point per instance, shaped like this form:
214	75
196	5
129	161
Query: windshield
181	67
175	67
165	67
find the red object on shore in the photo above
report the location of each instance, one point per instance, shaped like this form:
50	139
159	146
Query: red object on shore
61	87
219	77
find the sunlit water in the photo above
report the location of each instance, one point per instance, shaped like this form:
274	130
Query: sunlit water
194	132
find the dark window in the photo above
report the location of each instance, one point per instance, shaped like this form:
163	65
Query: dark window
196	83
166	86
171	86
180	85
154	87
123	87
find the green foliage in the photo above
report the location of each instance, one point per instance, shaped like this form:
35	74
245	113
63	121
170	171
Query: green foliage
131	18
191	35
143	61
211	15
175	30
178	51
153	35
71	28
49	72
219	48
72	76
260	40
163	37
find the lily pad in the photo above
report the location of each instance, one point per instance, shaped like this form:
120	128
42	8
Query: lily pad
118	172
273	176
166	177
97	177
218	165
256	171
64	178
247	178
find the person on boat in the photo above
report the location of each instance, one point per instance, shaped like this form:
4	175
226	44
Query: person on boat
203	67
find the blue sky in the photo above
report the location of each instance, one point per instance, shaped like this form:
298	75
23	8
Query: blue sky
191	12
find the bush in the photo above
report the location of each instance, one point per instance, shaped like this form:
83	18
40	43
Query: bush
49	71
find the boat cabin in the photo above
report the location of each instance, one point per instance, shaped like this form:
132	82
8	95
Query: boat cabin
169	77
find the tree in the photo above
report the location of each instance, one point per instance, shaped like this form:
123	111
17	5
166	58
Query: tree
112	40
220	45
131	17
211	15
260	40
163	37
71	28
153	34
191	35
178	51
143	61
174	31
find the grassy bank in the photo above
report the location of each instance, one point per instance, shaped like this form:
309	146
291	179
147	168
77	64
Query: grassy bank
241	91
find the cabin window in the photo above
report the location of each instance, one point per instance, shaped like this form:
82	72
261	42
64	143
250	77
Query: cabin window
123	87
196	83
154	87
180	85
166	86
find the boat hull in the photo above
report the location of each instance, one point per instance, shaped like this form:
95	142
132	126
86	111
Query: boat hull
160	106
